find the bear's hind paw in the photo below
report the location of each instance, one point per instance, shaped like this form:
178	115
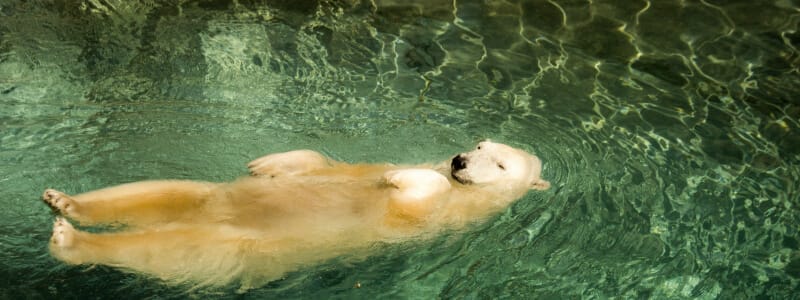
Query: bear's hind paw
63	234
58	201
64	242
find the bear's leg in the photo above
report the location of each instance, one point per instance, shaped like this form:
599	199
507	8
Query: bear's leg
178	253
288	163
415	193
135	203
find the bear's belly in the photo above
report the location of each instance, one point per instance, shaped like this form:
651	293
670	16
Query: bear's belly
302	205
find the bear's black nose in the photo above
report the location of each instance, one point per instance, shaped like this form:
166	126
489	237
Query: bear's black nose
459	162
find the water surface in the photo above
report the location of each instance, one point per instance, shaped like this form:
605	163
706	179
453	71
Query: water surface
669	130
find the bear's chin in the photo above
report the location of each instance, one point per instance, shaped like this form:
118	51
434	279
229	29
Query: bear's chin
460	180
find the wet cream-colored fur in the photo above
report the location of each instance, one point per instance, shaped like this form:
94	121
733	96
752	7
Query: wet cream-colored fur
297	208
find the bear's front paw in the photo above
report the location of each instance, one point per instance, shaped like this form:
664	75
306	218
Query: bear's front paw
416	184
59	201
287	163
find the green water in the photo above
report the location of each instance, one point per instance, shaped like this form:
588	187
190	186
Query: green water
669	130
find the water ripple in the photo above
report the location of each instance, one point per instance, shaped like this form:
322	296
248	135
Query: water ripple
668	130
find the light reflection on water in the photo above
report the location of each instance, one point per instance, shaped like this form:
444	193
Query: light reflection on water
669	130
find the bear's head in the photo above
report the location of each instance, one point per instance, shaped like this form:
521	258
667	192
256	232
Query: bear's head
496	164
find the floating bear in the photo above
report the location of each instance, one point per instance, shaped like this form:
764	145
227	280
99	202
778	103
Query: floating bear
296	209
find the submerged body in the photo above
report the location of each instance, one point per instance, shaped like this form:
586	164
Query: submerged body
298	208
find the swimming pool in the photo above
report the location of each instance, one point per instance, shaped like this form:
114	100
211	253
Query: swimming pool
668	129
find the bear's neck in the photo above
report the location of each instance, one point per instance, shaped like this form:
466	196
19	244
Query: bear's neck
470	204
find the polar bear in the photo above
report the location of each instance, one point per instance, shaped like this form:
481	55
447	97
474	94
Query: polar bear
297	208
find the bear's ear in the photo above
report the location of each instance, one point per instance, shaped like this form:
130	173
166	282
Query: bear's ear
540	184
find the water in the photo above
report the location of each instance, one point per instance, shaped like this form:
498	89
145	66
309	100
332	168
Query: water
669	130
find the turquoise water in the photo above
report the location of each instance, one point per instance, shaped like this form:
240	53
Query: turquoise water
669	130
